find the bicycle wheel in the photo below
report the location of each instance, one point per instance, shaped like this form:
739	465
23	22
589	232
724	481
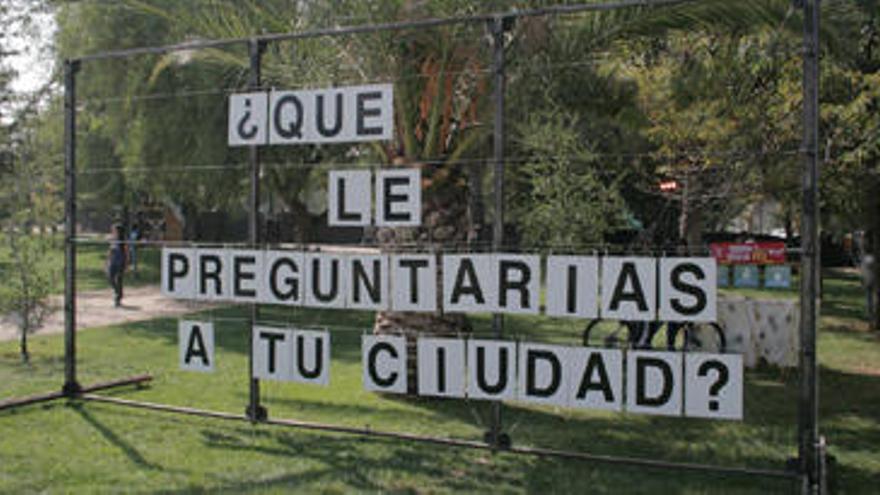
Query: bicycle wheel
612	333
704	337
676	335
643	333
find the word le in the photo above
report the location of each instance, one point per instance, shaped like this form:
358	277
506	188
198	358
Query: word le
333	115
707	385
625	288
398	198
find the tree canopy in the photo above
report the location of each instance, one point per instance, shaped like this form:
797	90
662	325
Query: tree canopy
602	107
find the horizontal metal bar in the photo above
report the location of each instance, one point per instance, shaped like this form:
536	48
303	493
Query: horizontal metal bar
387	26
453	442
162	407
30	399
121	382
49	396
651	463
414	247
97	167
282	422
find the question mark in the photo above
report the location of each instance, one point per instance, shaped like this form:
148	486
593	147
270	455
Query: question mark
721	378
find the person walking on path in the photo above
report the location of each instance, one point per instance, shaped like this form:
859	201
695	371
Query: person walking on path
870	282
117	259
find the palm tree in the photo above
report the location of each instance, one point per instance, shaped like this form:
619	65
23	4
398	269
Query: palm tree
441	86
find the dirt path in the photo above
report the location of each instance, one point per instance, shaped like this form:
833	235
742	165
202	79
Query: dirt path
95	309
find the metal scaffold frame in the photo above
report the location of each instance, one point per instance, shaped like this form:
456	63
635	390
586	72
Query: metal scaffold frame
808	472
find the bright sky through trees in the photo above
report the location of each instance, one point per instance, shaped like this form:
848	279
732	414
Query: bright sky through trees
33	59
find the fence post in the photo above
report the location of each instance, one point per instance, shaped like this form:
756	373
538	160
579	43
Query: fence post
498	27
71	386
255	411
808	410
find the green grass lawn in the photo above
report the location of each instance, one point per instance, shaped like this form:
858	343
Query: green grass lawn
81	447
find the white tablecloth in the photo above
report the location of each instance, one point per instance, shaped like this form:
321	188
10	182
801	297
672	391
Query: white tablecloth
761	329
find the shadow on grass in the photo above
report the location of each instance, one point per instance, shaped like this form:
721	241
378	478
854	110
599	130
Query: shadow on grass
770	395
355	461
352	461
860	333
850	405
843	296
334	454
606	434
111	436
842	309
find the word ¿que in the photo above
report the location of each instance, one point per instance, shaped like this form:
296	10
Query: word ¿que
332	115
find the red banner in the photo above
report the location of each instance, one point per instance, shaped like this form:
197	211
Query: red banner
748	253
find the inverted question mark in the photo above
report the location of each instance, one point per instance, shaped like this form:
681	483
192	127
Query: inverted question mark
247	133
721	378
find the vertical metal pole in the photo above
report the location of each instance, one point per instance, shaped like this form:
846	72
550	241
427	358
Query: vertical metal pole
71	385
808	411
255	411
496	436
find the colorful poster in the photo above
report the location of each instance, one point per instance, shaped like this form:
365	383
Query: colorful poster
748	253
723	276
746	276
777	277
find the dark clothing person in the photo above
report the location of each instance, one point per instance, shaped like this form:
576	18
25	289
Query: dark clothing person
870	283
116	261
116	282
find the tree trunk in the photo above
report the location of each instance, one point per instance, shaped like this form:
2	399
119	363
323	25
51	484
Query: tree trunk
23	343
789	227
23	302
684	215
872	244
303	228
694	230
476	205
446	223
875	250
690	221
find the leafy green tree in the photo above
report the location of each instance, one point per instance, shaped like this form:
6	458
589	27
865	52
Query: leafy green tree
850	99
721	92
574	113
706	97
442	92
142	137
564	200
29	189
30	200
